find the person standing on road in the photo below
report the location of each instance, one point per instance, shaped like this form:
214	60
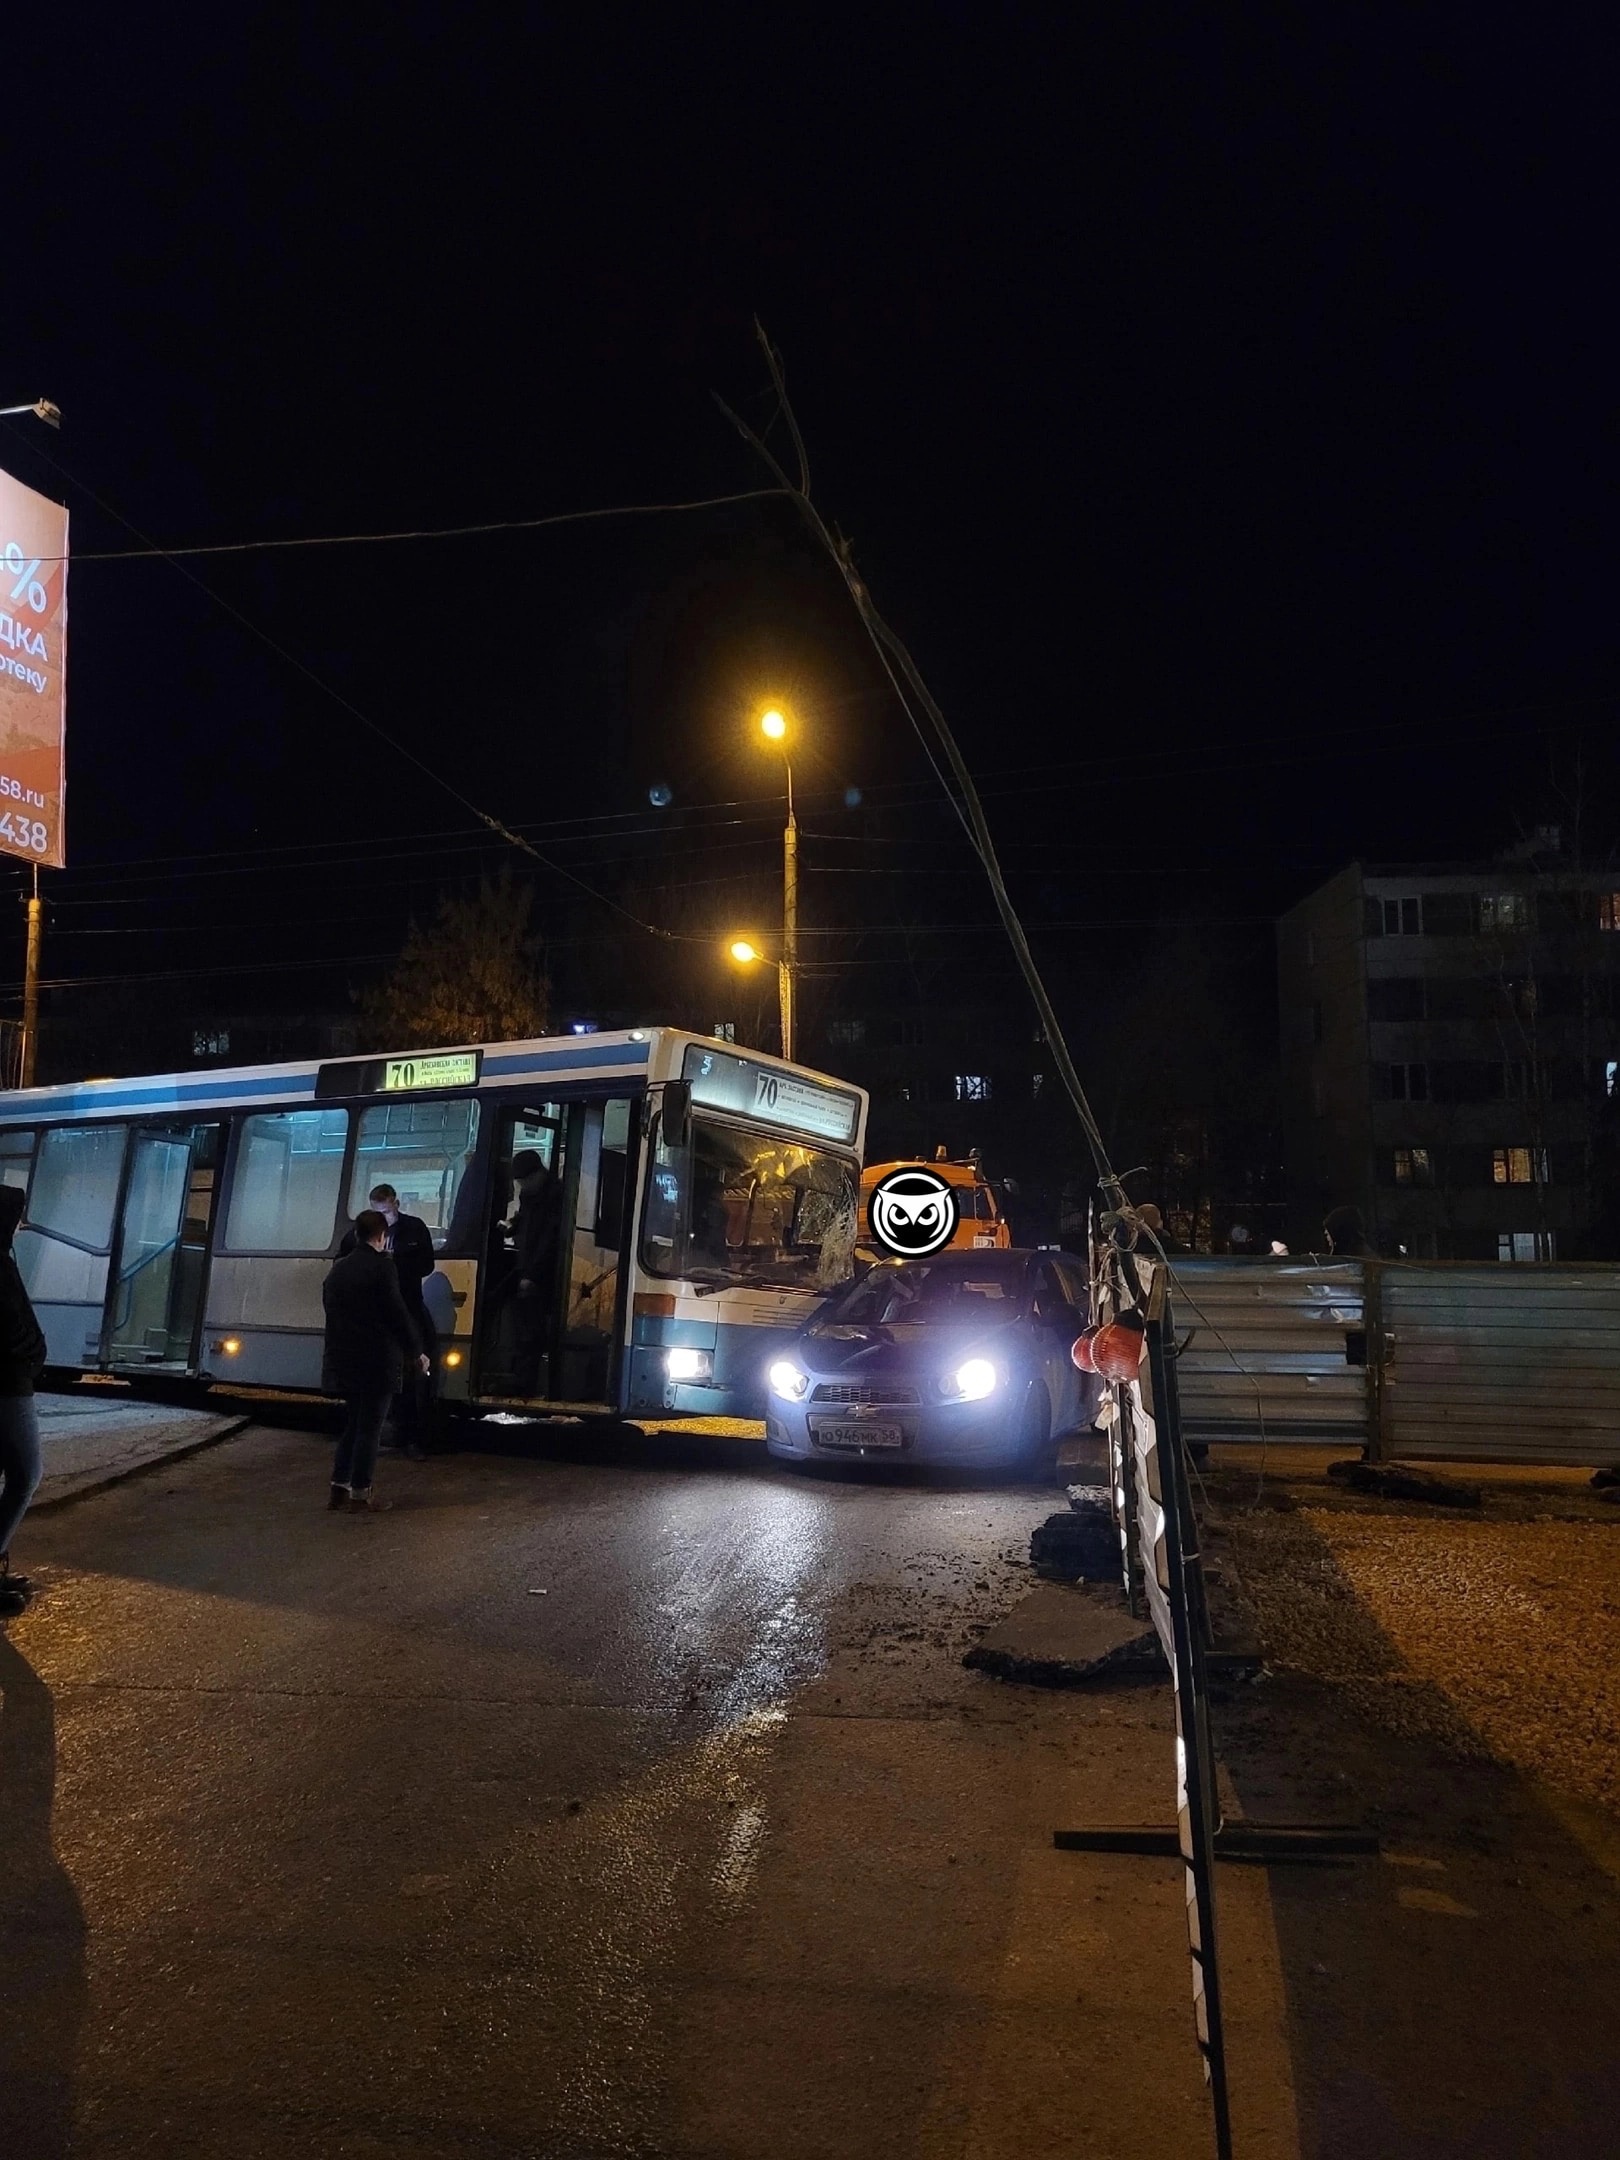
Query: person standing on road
22	1356
411	1243
371	1342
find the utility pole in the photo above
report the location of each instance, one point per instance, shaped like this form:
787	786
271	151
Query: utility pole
790	918
30	1026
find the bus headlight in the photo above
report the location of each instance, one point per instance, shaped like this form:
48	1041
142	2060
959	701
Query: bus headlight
972	1381
689	1364
787	1380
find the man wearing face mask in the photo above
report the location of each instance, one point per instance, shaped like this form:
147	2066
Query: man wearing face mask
410	1241
22	1356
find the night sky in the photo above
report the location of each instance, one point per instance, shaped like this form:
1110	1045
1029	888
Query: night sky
1223	410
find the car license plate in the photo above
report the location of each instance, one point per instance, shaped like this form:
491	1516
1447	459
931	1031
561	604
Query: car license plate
859	1436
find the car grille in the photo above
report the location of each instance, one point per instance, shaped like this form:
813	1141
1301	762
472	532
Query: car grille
862	1391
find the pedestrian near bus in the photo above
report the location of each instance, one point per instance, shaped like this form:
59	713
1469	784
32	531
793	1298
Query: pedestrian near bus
371	1343
410	1241
22	1357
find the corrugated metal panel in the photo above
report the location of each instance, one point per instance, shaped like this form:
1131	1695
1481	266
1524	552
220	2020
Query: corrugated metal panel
1502	1364
1270	1348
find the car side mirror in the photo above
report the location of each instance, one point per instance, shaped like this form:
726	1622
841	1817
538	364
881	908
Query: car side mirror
677	1113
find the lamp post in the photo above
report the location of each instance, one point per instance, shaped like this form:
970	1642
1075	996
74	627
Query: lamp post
42	409
746	953
773	726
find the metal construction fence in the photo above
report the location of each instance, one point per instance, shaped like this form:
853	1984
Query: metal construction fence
1471	1360
1284	1336
1495	1364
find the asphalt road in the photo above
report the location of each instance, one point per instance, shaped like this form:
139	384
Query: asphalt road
588	1805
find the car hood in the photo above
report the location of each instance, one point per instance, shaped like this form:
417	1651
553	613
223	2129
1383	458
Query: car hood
838	1350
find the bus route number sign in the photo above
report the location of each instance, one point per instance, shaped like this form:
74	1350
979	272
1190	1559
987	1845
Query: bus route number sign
455	1069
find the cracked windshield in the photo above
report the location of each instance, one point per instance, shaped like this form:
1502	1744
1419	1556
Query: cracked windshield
758	1210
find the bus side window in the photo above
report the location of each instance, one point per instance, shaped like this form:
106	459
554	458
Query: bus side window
16	1157
289	1171
423	1150
76	1185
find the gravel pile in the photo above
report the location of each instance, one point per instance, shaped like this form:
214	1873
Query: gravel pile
1497	1639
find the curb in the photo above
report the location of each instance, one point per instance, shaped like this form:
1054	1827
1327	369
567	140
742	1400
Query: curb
80	1487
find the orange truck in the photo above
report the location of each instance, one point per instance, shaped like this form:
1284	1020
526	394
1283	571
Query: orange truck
980	1222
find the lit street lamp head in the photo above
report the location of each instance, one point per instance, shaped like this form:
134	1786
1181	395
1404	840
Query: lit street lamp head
773	724
744	951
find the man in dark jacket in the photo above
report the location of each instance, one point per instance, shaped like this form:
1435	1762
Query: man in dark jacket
371	1342
22	1354
410	1241
534	1241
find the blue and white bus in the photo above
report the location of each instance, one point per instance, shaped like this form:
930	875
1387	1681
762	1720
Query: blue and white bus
180	1226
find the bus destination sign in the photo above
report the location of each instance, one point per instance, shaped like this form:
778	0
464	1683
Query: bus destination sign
770	1096
453	1068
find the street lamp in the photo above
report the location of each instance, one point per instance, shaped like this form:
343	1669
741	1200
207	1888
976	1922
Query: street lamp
746	953
773	726
42	409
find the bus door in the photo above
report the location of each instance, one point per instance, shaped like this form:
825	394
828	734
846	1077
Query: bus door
592	1313
515	1326
549	1316
160	1250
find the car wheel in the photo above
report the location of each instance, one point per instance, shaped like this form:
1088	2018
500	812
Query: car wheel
1032	1447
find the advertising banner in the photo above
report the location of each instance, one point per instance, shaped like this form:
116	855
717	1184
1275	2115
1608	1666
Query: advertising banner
33	664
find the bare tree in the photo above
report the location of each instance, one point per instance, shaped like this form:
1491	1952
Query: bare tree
476	974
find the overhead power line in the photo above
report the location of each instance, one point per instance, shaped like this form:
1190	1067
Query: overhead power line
913	693
485	817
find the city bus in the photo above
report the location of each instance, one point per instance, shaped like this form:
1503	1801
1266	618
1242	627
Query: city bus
705	1201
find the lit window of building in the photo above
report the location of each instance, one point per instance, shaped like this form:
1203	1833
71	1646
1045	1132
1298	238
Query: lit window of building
1526	1245
725	1030
1608	911
1518	1166
1413	1166
973	1087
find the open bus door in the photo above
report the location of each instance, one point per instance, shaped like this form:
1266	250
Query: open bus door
550	1319
160	1251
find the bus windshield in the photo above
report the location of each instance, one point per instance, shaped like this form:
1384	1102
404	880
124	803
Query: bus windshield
750	1207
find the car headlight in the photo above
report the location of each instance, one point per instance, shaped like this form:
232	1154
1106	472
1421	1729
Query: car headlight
972	1381
787	1380
689	1364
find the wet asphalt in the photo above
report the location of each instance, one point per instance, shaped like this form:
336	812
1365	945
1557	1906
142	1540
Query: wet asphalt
623	1800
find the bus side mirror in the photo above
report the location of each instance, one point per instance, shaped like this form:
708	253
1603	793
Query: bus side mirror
677	1113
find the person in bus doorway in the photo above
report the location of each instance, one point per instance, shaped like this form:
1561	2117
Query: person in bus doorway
371	1343
534	1241
22	1357
411	1243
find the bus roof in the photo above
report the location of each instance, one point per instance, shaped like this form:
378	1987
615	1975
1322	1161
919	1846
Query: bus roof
552	1057
624	1053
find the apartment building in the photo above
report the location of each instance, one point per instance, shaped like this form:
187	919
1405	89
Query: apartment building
1450	1053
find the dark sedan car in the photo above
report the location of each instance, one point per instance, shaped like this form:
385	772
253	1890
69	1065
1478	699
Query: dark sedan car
962	1359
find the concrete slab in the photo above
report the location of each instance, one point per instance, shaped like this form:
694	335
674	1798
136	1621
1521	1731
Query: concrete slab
1064	1634
88	1442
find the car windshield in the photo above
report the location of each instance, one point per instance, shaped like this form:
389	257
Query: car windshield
925	1294
748	1207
